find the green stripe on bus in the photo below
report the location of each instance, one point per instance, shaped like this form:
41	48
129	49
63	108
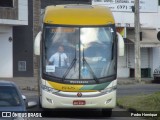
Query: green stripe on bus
95	87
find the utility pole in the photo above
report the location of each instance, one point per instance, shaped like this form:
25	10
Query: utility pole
137	42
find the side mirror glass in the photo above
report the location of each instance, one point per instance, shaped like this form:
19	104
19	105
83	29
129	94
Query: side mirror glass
31	104
37	43
24	97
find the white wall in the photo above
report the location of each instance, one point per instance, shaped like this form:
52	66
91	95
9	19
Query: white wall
147	20
23	10
122	69
22	15
144	57
6	52
149	12
123	72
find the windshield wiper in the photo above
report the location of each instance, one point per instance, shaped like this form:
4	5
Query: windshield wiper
90	69
68	70
70	67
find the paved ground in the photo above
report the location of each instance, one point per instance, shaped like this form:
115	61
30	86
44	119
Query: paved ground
136	89
30	83
28	86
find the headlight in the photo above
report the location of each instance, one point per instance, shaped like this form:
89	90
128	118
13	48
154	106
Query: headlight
49	89
108	90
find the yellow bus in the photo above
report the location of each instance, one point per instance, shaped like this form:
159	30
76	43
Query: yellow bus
78	47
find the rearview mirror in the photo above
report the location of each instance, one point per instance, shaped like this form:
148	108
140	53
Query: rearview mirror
120	45
37	43
31	104
24	97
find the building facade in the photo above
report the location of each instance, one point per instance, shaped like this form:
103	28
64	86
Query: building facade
23	45
149	43
12	13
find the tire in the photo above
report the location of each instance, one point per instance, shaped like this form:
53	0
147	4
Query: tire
40	105
107	112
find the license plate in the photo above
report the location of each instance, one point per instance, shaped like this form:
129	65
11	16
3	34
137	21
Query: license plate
79	102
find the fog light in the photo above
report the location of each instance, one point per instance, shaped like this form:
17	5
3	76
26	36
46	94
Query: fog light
108	101
49	100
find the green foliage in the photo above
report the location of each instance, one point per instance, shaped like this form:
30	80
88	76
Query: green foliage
141	103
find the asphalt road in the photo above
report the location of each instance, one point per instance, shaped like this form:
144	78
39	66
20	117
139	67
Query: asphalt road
118	113
135	89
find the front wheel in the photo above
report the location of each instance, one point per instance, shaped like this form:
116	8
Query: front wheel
40	103
107	112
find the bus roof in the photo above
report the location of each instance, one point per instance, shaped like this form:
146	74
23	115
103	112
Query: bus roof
78	15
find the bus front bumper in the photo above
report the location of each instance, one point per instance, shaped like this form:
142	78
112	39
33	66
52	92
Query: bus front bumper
52	101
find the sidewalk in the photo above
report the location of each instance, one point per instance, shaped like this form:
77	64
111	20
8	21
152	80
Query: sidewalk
123	81
24	83
31	83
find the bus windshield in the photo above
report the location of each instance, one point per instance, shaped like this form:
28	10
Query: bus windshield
78	53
